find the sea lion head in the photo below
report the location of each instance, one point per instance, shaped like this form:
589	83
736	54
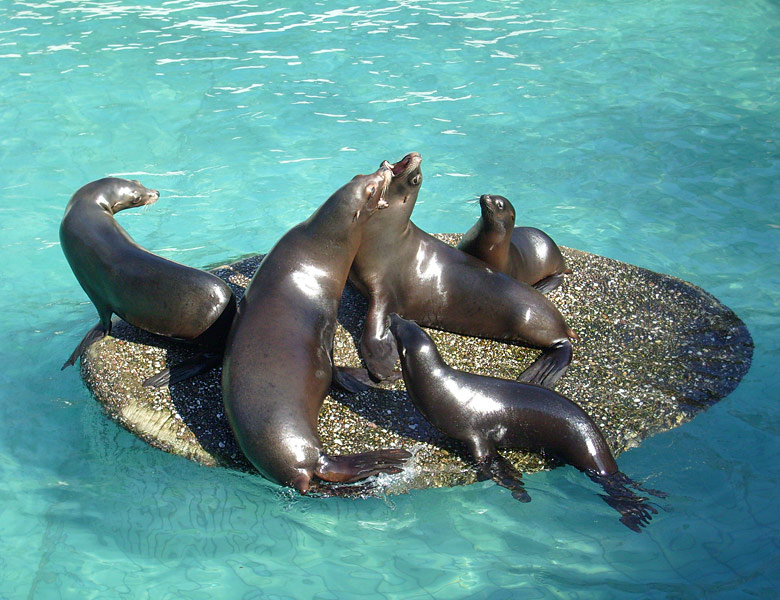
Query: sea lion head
115	194
367	193
407	179
410	337
497	212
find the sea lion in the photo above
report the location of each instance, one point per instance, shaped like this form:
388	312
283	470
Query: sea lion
402	269
120	277
524	253
279	357
487	413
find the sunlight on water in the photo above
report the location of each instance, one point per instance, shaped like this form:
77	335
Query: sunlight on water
644	132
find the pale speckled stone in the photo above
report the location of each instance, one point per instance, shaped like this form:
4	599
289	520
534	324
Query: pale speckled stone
653	351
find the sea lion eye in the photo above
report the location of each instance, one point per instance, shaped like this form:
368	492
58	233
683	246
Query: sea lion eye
499	204
416	179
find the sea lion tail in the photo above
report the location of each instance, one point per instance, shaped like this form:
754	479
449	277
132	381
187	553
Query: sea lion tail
572	334
636	511
548	284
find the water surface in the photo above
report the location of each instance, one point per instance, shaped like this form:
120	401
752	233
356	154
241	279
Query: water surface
647	132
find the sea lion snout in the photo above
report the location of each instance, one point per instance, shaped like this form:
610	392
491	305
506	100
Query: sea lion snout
387	174
393	320
152	196
492	202
407	333
407	164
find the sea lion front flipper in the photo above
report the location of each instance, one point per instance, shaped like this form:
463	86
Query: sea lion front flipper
201	362
635	510
548	284
98	332
346	468
377	345
500	470
352	379
357	379
548	368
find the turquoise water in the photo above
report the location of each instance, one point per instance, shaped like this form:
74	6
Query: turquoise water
647	132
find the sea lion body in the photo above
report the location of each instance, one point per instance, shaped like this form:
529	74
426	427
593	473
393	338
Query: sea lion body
402	269
120	277
278	362
488	413
527	254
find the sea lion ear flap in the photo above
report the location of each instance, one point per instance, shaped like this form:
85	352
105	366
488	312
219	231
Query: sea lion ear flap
356	216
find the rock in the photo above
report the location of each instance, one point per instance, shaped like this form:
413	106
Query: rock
653	352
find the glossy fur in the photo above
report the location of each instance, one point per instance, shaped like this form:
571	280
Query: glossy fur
524	253
120	277
279	359
487	413
402	269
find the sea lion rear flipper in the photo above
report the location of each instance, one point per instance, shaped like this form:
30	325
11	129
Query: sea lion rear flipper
635	510
500	470
98	332
199	363
548	368
346	468
548	284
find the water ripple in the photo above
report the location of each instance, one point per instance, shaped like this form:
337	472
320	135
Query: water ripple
644	131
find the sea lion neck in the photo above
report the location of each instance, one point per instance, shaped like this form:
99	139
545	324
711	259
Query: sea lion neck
91	198
395	220
495	233
331	217
415	345
349	209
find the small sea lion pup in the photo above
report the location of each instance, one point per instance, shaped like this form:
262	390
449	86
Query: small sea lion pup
279	357
153	293
402	269
487	413
525	253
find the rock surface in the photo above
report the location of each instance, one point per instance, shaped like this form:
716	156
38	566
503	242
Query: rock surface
653	351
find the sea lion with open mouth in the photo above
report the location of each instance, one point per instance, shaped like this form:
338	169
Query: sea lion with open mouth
402	269
279	358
